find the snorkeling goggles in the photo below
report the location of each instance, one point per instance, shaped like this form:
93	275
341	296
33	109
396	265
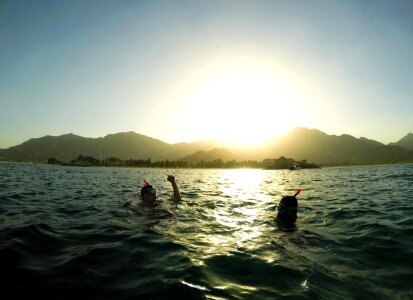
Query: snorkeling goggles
149	189
281	206
152	191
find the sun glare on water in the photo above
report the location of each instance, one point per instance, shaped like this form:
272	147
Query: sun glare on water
241	106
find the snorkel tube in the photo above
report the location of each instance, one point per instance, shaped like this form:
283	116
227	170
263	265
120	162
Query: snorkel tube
145	187
297	193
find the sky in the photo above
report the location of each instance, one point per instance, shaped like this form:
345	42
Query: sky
181	71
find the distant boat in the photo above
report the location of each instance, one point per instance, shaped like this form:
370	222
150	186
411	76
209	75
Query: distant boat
295	167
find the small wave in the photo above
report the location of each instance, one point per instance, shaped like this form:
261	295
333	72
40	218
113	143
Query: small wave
190	194
243	275
69	210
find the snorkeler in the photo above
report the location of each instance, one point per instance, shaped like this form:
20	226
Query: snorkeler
288	207
150	196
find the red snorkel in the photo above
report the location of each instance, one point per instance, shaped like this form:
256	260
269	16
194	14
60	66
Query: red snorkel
297	193
145	182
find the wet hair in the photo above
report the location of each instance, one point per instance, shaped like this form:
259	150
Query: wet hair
290	201
145	188
290	206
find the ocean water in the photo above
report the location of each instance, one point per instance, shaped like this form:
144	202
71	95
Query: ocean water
79	233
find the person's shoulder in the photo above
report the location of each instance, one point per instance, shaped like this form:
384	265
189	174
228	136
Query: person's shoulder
152	204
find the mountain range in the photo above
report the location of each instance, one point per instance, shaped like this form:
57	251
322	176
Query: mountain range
300	144
406	142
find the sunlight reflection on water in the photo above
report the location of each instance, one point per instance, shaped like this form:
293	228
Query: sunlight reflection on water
243	188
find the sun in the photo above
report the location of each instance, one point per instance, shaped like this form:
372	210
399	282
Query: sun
243	106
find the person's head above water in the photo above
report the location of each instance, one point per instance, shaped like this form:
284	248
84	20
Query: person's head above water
288	207
149	194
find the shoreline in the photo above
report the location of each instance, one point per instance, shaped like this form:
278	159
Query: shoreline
206	168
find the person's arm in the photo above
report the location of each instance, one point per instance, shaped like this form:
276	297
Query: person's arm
177	195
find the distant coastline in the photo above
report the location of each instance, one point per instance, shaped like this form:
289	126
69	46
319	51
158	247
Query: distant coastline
281	163
191	167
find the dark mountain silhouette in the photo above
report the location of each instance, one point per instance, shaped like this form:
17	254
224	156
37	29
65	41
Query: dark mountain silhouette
406	142
65	147
125	145
128	145
214	154
300	144
185	149
321	148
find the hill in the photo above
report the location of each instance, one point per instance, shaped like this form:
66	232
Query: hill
65	147
214	154
124	145
319	147
406	142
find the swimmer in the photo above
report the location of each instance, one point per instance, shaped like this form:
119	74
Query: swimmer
287	208
150	196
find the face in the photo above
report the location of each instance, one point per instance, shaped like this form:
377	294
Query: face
286	212
282	211
150	196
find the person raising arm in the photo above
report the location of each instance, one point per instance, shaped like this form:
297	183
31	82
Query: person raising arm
177	194
150	196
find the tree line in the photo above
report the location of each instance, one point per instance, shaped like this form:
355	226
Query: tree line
280	163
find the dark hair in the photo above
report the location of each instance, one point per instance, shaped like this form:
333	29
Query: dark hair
145	188
289	201
290	205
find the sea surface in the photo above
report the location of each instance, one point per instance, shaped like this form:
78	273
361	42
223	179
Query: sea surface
80	233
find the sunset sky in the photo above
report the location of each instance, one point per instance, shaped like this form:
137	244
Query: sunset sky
242	71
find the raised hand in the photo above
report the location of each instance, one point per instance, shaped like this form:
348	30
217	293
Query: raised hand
171	178
177	195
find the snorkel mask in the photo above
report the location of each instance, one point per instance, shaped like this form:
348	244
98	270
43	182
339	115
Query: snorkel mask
288	207
148	189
